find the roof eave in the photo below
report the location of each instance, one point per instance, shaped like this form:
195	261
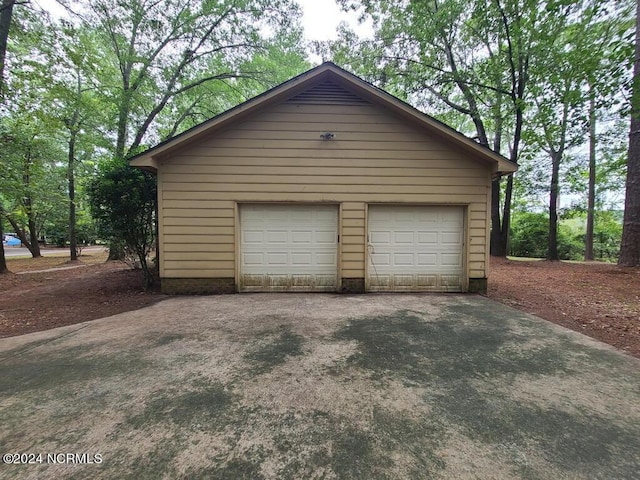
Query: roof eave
145	162
500	163
244	109
149	159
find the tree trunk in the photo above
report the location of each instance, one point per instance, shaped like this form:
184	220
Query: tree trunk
552	252
123	122
591	196
21	233
496	228
73	237
33	234
506	217
500	224
116	251
3	260
630	246
5	24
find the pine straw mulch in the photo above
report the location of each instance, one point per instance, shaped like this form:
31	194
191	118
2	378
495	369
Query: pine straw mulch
598	299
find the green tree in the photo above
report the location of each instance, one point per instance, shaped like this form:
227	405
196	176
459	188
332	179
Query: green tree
164	58
79	108
164	49
630	244
6	14
555	120
469	59
31	180
123	203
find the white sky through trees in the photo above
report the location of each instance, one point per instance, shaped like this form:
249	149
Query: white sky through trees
320	19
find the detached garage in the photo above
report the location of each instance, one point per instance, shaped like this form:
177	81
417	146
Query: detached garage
324	183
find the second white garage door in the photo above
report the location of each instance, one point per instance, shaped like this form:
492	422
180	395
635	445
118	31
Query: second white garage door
415	248
288	247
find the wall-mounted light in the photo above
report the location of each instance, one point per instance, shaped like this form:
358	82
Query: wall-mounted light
327	136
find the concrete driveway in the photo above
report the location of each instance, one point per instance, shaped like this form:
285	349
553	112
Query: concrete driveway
318	386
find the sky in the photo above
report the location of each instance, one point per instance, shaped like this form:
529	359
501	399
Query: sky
320	18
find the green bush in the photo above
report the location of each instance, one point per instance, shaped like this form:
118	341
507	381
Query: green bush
530	235
122	201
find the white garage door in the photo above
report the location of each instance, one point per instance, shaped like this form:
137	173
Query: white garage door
415	248
288	247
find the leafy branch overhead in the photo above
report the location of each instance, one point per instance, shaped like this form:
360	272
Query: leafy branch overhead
517	76
109	78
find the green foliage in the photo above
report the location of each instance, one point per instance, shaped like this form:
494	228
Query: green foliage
607	235
529	233
123	204
56	228
530	230
112	80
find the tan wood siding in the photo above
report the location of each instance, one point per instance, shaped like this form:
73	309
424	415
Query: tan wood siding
353	238
198	198
278	156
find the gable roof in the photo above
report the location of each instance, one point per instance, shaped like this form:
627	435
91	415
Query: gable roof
302	86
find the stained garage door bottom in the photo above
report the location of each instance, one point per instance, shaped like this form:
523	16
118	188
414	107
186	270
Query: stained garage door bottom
415	248
287	247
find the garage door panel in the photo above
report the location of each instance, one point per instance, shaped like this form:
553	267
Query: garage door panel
381	259
427	259
427	280
451	281
428	238
326	259
452	238
400	238
252	236
403	281
380	237
253	259
403	259
277	259
327	237
426	217
328	281
415	248
301	258
288	247
276	236
378	280
302	237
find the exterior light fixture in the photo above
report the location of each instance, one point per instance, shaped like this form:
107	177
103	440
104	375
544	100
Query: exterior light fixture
327	136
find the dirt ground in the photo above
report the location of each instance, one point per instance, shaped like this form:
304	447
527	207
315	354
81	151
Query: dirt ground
30	302
599	300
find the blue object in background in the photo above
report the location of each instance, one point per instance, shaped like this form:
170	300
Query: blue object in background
10	241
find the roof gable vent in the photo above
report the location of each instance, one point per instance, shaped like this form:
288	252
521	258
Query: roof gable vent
328	93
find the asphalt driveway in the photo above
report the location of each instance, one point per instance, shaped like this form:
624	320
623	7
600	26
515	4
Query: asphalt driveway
318	386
